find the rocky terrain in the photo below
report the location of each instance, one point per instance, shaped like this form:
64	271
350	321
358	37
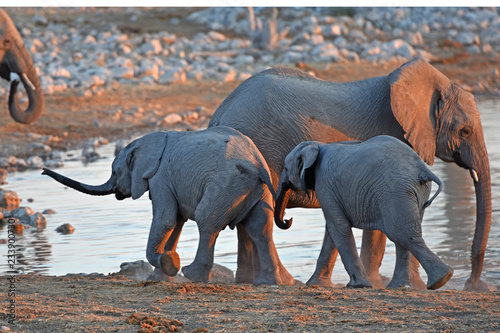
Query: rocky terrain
73	52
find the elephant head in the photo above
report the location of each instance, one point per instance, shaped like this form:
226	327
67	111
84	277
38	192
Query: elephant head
131	170
16	64
298	175
441	119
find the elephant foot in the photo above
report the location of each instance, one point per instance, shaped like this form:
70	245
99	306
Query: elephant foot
283	277
439	279
320	281
359	282
399	283
196	274
170	263
479	286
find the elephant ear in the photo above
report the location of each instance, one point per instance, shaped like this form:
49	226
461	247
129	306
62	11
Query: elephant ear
306	160
144	161
416	88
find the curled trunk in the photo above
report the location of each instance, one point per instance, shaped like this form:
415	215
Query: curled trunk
103	189
282	197
36	99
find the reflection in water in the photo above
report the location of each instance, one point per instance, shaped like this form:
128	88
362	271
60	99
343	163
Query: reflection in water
109	232
450	222
33	251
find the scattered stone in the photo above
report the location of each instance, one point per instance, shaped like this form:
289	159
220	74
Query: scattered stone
138	270
37	220
66	57
22	213
3	176
191	116
65	229
9	200
37	148
89	154
172	119
220	273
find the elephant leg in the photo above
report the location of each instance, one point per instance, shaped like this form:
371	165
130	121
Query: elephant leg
244	270
326	262
164	222
372	253
259	226
438	272
340	231
401	276
170	261
199	269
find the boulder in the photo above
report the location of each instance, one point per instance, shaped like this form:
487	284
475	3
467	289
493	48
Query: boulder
65	229
9	200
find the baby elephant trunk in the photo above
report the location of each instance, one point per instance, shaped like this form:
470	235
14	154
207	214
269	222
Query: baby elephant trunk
103	189
282	197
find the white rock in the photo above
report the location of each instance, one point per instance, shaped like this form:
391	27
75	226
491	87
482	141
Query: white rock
153	47
122	73
175	75
216	36
35	162
38	148
172	119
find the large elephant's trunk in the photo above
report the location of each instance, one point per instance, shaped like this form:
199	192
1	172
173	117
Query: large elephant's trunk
482	185
103	189
36	99
282	197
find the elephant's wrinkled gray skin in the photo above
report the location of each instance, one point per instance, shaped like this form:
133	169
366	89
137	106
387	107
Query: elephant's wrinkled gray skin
379	184
15	59
216	177
417	104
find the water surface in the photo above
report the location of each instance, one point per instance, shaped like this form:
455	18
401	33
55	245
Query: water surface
109	232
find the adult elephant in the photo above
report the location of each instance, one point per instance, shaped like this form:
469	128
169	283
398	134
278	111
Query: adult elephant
16	64
280	107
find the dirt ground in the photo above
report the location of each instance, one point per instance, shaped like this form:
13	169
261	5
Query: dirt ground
114	303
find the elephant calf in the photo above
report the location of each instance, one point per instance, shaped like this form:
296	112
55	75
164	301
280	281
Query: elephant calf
378	184
216	177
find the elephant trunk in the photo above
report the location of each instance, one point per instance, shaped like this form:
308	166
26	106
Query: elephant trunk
104	189
282	197
36	99
482	185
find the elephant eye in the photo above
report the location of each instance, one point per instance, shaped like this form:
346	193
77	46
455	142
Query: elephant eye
465	132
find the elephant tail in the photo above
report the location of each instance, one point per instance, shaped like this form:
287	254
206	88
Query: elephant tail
432	177
266	179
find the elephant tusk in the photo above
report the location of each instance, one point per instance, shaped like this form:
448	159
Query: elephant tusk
473	174
28	81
